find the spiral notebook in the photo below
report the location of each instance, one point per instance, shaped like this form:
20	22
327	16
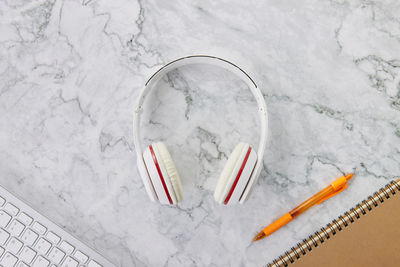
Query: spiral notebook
366	235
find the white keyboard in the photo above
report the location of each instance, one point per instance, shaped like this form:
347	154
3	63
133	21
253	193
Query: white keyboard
27	238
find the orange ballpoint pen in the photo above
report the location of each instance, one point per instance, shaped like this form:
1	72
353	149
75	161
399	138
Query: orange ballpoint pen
334	188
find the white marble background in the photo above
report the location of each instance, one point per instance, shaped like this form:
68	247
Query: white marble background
70	73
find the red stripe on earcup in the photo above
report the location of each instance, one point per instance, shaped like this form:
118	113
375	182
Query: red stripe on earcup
238	176
151	182
160	174
244	190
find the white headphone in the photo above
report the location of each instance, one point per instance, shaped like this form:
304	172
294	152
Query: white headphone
242	169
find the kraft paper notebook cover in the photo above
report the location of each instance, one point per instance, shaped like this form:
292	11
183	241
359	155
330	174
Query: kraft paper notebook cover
366	235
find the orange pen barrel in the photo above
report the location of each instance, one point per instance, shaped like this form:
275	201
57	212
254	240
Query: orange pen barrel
278	224
327	191
311	201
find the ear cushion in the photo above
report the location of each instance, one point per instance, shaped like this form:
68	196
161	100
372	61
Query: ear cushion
172	173
236	174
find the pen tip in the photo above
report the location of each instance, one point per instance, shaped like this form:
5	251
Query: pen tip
349	176
260	235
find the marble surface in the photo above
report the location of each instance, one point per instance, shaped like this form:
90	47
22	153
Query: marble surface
70	73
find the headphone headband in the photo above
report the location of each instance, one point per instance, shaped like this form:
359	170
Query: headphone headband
213	60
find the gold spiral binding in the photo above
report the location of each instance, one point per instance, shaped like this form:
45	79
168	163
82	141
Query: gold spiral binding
337	225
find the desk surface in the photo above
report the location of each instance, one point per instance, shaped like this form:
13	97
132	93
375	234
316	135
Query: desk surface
70	73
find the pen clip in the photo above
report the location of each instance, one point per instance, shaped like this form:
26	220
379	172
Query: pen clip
333	194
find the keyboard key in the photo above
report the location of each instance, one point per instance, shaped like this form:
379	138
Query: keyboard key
4	235
2	201
29	237
5	218
56	255
42	246
8	260
27	254
14	245
21	264
69	262
25	218
67	247
81	257
41	262
39	228
15	228
1	251
53	238
11	209
93	263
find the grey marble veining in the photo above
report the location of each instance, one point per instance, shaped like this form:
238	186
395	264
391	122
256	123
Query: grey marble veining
70	73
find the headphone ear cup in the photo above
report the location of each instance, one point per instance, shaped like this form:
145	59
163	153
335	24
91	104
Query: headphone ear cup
163	175
235	175
171	170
